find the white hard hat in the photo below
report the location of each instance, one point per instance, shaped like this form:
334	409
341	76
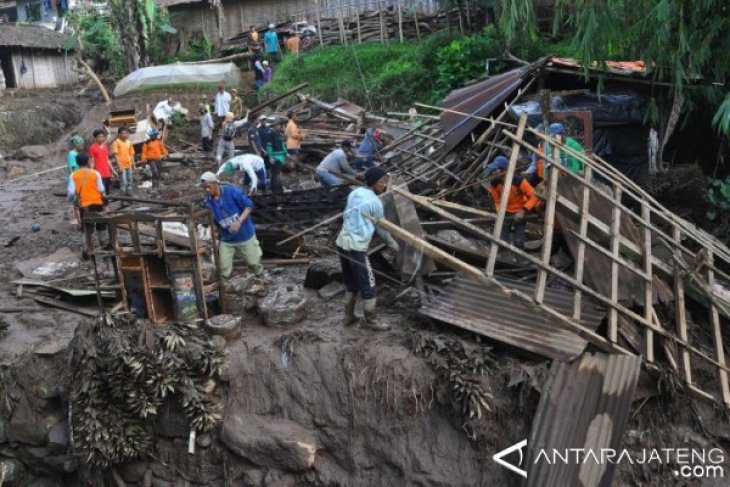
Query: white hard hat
272	26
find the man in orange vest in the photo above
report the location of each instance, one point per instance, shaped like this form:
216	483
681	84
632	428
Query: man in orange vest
522	199
86	189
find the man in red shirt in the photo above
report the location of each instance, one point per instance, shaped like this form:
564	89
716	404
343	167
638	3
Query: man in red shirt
99	153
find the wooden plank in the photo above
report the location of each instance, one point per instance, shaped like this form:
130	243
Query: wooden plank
64	306
648	291
615	232
547	245
681	312
584	215
499	223
717	337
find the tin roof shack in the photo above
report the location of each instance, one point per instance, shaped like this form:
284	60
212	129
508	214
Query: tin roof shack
33	57
164	262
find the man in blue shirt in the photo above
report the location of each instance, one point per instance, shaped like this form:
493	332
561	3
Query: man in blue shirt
271	41
231	211
352	246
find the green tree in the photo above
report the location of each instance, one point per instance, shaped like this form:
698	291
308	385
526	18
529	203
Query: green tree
682	41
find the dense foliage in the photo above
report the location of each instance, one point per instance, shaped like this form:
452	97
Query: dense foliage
683	42
98	42
393	76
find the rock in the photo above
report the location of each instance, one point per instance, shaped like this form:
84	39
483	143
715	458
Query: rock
218	342
11	471
319	274
284	306
204	441
253	478
331	290
268	442
58	435
15	172
227	326
242	293
33	152
133	471
25	426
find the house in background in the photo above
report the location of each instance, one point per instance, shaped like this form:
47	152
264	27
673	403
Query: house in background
33	57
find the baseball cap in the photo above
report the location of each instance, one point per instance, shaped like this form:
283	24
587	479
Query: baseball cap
499	162
346	143
209	177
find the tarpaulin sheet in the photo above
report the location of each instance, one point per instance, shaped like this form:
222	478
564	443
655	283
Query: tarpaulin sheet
171	75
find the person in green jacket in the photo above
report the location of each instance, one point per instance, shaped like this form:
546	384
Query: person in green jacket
567	160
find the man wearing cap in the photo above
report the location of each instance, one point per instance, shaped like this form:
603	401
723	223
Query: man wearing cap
522	198
253	169
231	211
335	161
352	246
271	42
222	102
539	169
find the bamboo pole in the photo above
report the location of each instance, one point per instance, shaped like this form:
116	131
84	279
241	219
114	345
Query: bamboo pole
583	232
506	189
548	231
681	313
319	22
717	339
400	21
615	232
382	22
359	33
648	291
587	290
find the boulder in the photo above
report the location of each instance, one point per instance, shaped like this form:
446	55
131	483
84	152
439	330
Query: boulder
11	471
15	171
284	306
268	442
32	152
26	426
227	326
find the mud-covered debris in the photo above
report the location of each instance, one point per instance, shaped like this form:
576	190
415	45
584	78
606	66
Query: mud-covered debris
284	306
227	326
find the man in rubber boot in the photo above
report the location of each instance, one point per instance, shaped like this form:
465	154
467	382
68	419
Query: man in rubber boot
352	246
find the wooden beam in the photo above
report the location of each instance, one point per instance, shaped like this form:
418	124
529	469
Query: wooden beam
547	245
717	339
583	214
648	279
681	314
261	106
506	190
615	232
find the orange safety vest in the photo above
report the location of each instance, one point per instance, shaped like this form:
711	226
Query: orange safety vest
521	196
86	185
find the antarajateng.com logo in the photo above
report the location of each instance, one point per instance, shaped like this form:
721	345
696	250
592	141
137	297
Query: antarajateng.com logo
685	462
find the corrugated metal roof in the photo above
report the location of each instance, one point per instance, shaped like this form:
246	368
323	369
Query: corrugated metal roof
487	311
477	99
583	405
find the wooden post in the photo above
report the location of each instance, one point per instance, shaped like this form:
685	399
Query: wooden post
648	292
615	233
494	249
583	232
319	23
341	21
381	18
680	311
547	243
717	335
357	19
415	19
400	21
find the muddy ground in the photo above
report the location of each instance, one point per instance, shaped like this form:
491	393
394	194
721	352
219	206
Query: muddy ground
359	407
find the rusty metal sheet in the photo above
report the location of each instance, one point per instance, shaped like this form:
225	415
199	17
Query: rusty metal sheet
584	405
478	99
597	265
487	311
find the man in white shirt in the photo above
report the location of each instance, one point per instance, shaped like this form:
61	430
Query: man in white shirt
222	102
253	169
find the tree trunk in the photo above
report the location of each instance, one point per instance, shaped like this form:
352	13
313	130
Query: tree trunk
218	6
